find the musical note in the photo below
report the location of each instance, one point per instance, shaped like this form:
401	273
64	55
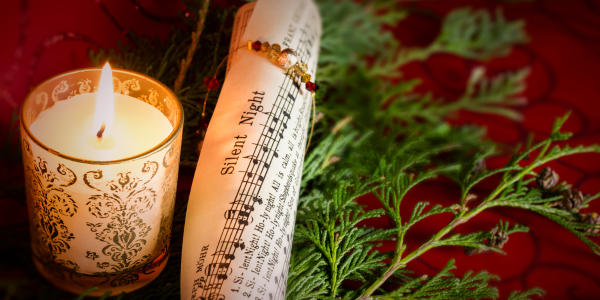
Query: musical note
260	178
240	245
217	269
285	113
291	96
258	200
275	119
214	296
271	130
222	253
239	214
275	154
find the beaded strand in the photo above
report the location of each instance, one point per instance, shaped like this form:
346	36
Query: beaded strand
287	59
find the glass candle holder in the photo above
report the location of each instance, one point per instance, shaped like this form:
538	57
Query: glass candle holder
100	223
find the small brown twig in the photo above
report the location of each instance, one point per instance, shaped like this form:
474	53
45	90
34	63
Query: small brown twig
186	62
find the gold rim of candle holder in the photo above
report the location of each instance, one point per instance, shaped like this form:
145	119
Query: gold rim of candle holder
177	127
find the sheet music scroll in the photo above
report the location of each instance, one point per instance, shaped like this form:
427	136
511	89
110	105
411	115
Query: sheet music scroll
242	208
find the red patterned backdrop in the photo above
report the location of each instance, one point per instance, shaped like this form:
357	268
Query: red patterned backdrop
44	38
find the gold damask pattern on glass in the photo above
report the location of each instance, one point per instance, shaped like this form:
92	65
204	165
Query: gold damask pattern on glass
126	86
169	189
131	87
121	201
50	204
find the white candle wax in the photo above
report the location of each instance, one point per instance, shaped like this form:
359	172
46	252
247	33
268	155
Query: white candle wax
68	127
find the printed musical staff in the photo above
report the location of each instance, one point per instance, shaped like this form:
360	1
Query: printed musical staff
239	215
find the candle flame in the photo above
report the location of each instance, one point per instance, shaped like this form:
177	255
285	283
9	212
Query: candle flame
105	103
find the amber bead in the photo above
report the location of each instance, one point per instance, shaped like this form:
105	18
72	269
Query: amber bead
264	47
305	77
301	67
249	45
274	51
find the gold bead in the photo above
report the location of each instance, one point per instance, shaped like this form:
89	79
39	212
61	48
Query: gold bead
276	47
264	47
306	77
274	51
291	72
249	45
301	67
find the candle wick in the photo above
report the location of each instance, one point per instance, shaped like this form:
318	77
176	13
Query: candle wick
100	132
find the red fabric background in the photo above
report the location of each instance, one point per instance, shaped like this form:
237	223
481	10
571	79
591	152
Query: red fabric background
44	38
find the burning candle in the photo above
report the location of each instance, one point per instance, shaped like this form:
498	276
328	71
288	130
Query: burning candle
101	126
101	154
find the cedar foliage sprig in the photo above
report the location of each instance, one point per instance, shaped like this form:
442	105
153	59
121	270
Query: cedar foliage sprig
409	153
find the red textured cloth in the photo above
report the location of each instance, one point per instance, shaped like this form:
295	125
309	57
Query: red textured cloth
43	38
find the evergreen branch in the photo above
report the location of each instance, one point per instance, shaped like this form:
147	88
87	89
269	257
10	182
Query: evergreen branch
500	197
418	215
478	35
482	95
465	32
516	228
306	277
472	240
590	199
468	184
445	285
565	219
186	62
516	295
330	225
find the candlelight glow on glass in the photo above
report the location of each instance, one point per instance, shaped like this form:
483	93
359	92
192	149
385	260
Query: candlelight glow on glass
101	158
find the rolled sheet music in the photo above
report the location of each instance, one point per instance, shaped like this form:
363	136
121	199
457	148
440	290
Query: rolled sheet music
242	208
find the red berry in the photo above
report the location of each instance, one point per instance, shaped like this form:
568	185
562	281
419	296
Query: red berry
256	45
311	87
212	83
202	124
